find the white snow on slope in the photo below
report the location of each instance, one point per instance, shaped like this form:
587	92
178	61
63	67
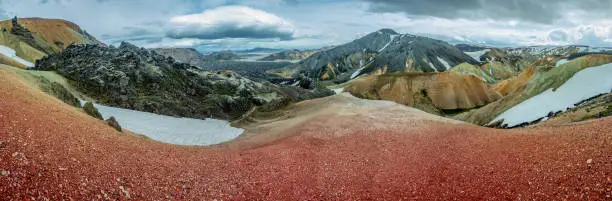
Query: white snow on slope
391	38
562	61
583	85
7	51
432	66
173	130
338	90
476	55
446	65
356	73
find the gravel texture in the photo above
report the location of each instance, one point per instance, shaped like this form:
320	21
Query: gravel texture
51	150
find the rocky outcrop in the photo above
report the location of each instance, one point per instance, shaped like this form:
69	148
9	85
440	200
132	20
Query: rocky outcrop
184	55
136	78
91	110
112	122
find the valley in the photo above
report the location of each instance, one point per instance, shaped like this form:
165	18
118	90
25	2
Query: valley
385	116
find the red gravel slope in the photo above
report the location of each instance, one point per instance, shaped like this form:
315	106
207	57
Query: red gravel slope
366	150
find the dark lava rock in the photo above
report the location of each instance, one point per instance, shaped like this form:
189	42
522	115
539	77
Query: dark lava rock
92	111
26	35
113	123
140	79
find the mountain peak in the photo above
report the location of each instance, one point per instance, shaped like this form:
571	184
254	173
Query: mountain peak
388	31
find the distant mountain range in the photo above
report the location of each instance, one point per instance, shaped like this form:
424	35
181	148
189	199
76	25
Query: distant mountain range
260	50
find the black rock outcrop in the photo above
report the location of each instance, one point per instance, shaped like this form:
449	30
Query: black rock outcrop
136	78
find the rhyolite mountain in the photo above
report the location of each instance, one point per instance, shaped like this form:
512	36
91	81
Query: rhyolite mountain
33	38
386	51
136	78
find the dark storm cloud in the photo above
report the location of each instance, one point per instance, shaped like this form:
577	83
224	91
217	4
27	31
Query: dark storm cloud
539	11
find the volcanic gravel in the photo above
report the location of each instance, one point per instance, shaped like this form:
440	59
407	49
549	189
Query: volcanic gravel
49	150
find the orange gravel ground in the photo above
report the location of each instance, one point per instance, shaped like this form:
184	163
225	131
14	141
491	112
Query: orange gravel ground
51	150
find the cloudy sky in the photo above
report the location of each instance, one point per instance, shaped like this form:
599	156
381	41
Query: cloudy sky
211	25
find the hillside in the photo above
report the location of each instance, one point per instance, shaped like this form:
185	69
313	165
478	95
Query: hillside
289	55
342	147
435	93
530	83
33	38
134	78
384	50
388	116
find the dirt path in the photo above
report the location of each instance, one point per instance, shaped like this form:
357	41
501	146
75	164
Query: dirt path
362	151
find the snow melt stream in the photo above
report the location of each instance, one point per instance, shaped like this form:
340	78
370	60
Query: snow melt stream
7	51
583	85
172	130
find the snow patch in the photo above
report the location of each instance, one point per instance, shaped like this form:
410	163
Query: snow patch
338	90
356	73
173	130
583	85
7	51
432	66
446	65
476	55
391	38
560	62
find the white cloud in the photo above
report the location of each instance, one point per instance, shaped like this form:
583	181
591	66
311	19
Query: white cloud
230	22
592	35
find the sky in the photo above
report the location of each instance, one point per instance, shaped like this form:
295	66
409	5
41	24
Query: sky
213	25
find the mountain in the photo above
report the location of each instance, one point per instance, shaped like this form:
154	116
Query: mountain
223	56
392	135
30	39
260	50
531	82
136	78
289	55
216	61
193	57
344	144
384	50
436	93
184	55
